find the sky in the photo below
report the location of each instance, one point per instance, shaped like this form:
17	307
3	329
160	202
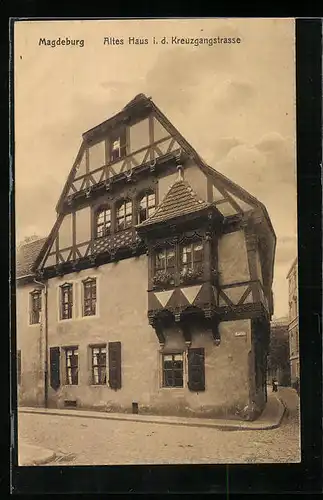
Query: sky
235	104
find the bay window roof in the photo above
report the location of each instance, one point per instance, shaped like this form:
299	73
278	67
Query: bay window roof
180	200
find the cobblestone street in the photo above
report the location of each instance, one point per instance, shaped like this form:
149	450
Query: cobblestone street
82	441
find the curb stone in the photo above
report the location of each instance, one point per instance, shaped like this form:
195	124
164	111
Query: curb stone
166	421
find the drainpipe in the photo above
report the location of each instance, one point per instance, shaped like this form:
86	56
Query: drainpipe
44	319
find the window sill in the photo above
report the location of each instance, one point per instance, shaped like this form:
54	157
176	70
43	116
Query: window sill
34	324
173	388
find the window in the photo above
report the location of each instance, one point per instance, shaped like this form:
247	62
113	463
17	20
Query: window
192	258
124	215
89	297
173	370
99	365
147	206
117	145
165	266
35	307
19	367
72	366
103	222
66	301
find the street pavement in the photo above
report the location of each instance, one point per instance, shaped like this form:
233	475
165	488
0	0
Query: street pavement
88	441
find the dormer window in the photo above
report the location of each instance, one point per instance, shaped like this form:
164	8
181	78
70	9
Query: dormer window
147	206
103	222
118	145
124	215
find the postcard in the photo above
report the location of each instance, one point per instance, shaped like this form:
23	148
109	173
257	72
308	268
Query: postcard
156	242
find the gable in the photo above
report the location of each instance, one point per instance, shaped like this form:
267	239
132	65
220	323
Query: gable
139	143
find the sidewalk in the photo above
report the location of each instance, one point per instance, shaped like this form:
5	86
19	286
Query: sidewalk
33	455
270	418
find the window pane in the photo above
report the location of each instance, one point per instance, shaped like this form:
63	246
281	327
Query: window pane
151	200
95	374
121	210
168	379
128	207
170	258
168	357
143	202
178	357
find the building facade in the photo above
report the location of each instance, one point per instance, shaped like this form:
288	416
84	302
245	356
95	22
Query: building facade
293	329
278	357
153	290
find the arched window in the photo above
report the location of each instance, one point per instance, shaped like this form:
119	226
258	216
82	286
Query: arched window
147	206
124	215
103	222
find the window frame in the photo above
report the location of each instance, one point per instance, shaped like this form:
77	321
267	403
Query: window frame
35	313
193	264
70	302
103	209
70	368
145	196
172	369
122	203
115	136
90	281
99	366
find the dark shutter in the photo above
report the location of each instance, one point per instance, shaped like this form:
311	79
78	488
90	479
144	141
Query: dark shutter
196	369
115	365
55	381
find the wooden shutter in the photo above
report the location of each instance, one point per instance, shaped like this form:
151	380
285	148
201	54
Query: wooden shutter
196	369
115	365
55	380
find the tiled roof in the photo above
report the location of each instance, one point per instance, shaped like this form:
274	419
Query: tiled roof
179	200
26	256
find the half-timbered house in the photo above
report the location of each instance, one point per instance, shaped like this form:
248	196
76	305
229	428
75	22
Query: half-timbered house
155	283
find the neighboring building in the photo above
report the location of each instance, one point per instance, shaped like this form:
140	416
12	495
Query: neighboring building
278	357
292	277
157	281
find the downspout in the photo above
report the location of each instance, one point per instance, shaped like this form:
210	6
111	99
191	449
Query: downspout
45	317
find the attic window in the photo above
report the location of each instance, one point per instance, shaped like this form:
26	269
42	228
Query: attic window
118	145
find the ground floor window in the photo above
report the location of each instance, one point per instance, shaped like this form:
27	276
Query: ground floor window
99	365
72	366
172	370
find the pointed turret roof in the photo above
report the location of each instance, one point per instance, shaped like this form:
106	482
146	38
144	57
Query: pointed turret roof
180	200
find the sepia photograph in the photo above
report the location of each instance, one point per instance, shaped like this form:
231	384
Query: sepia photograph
156	267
